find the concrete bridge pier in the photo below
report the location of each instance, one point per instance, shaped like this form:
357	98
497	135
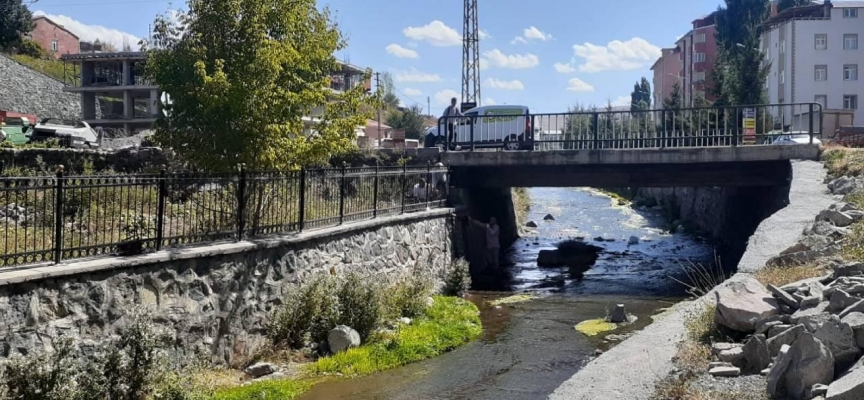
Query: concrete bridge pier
482	204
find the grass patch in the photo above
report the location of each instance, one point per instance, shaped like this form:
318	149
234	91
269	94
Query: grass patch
782	275
48	66
447	324
844	161
857	199
853	248
522	204
519	298
700	325
677	387
693	356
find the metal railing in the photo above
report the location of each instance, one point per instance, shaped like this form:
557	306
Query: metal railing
57	218
640	129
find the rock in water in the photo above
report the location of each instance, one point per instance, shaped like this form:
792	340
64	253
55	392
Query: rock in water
633	241
342	338
531	224
811	362
741	304
259	369
548	217
619	315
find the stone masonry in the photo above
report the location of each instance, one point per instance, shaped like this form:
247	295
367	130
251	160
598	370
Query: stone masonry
219	298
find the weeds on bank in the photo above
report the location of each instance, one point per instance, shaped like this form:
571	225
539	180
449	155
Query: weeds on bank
522	204
844	161
781	275
700	278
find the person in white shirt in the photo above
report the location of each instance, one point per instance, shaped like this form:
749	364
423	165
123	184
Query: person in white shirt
452	111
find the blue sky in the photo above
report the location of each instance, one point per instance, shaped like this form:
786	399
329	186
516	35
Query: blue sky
547	54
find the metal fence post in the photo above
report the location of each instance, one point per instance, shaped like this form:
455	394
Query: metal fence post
241	202
663	129
58	216
302	198
596	119
428	181
160	210
471	129
811	122
375	193
402	181
342	195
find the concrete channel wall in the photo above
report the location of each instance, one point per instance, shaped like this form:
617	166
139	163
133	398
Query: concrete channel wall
217	298
630	370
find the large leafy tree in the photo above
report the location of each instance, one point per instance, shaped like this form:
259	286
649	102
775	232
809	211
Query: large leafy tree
15	20
411	120
242	74
742	74
388	89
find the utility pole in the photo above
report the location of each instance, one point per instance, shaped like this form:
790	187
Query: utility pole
429	105
378	85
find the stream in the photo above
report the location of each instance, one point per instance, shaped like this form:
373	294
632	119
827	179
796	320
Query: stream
528	349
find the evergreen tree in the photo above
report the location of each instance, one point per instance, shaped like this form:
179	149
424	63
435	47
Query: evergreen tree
15	21
389	97
740	72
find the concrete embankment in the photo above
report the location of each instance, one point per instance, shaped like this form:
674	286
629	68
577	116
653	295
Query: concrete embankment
631	370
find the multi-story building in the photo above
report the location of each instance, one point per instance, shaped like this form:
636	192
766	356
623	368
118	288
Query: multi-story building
697	51
666	71
815	55
53	37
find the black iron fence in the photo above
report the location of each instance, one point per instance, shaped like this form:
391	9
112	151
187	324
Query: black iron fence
638	129
56	218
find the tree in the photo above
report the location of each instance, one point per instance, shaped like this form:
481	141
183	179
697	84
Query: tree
784	4
242	74
15	21
640	98
388	89
410	120
739	57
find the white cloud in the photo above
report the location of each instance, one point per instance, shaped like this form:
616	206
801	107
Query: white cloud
484	64
578	85
490	102
416	76
504	85
617	55
531	34
412	92
436	33
621	101
483	35
89	33
401	52
443	97
515	61
564	68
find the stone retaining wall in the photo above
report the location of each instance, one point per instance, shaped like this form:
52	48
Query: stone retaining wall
220	297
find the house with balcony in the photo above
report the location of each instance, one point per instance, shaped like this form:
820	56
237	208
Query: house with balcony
697	51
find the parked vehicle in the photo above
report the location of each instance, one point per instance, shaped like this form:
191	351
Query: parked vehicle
796	138
16	130
488	126
71	133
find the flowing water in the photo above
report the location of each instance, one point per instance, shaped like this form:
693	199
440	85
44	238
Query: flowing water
530	348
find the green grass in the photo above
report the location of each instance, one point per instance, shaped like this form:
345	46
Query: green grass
843	161
50	67
447	324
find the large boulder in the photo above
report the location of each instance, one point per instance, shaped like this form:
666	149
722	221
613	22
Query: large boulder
840	300
848	269
742	304
571	253
846	185
840	339
807	363
342	338
786	337
855	321
838	218
258	370
848	387
756	353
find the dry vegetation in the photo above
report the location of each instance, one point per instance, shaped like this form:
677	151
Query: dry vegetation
844	162
782	275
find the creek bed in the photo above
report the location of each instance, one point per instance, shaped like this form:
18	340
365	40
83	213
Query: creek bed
528	349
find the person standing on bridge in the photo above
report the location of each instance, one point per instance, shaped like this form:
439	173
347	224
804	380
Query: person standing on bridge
450	113
493	240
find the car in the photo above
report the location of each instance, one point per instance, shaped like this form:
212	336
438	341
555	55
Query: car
795	138
72	133
487	126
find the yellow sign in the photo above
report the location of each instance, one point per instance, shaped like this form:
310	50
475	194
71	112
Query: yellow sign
749	123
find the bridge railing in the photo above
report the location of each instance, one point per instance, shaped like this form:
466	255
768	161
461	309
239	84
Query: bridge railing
636	129
46	219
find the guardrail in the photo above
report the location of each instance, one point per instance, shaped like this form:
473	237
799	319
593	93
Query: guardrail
55	218
638	129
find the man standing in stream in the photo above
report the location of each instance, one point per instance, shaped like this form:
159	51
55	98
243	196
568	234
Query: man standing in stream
493	241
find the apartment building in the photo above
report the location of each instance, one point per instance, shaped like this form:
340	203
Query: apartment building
815	55
666	72
697	51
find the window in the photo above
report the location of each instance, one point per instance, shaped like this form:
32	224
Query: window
850	41
782	46
821	41
699	77
698	57
822	100
782	77
54	45
700	38
850	102
850	72
821	73
850	13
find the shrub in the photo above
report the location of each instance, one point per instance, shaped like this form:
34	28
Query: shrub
29	47
407	297
458	279
44	375
360	305
308	314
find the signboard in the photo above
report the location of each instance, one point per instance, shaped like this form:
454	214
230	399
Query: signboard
465	106
749	126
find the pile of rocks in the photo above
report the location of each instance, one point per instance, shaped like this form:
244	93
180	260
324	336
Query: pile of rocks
15	214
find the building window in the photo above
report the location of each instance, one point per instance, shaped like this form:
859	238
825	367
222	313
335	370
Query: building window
54	45
850	72
782	46
821	41
699	77
822	100
850	41
850	13
782	77
700	38
698	57
821	73
850	102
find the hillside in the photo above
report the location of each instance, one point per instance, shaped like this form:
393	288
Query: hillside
26	90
